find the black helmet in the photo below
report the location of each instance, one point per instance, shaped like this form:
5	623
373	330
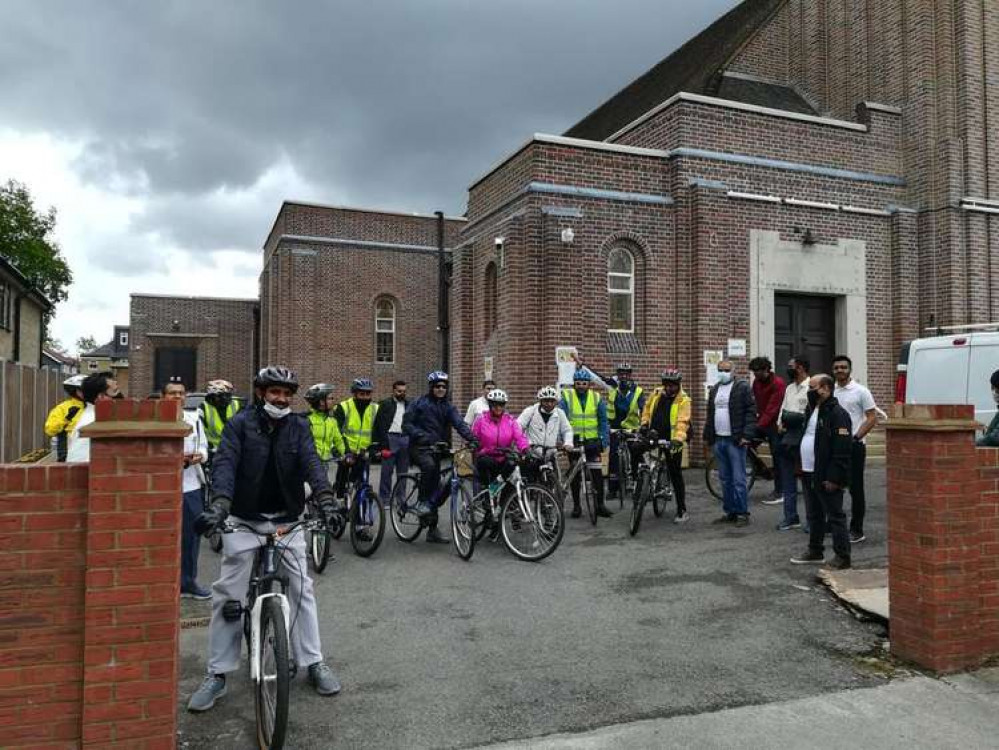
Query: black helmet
276	375
995	379
361	384
317	393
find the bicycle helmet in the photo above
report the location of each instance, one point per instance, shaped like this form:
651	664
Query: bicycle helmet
581	376
361	384
317	393
497	396
437	376
624	367
672	375
548	392
276	375
218	387
72	384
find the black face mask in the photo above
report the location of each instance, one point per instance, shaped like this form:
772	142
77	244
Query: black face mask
792	374
813	398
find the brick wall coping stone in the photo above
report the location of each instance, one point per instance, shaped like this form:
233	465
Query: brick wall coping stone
933	418
363	210
101	430
396	246
182	335
190	296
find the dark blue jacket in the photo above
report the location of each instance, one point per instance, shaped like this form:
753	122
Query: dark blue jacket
241	459
429	420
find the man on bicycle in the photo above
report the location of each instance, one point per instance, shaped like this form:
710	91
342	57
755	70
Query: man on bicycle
588	416
428	422
545	424
667	413
262	464
356	418
325	430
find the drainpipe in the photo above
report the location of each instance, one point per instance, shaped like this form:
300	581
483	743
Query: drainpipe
442	293
17	327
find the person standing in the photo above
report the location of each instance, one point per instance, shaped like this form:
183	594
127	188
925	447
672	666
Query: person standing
325	430
730	423
391	438
588	417
990	438
668	414
825	461
480	405
768	392
94	388
859	404
217	409
355	417
193	502
62	419
791	426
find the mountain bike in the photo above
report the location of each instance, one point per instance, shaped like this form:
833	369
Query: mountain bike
755	469
653	480
624	479
526	514
366	516
267	622
578	468
408	522
320	536
549	470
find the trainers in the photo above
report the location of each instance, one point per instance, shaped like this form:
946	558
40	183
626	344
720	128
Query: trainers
773	500
809	558
856	537
323	679
196	592
435	537
788	525
839	563
726	518
211	689
681	517
741	520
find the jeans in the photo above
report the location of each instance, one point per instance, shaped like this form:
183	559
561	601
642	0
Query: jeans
395	465
858	501
789	482
190	542
824	511
731	459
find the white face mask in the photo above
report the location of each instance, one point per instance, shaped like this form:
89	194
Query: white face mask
275	412
724	377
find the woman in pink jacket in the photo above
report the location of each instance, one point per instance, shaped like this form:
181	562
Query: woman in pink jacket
496	432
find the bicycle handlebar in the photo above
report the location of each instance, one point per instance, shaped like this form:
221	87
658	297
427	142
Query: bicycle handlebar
233	527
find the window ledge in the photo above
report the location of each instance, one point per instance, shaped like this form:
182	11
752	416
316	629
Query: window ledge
623	343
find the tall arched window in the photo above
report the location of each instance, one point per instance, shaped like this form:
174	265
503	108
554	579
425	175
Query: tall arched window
621	291
489	311
384	331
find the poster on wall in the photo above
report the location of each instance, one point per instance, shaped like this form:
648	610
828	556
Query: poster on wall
487	368
566	364
711	359
737	347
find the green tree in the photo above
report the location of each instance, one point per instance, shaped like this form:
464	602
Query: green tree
86	344
26	241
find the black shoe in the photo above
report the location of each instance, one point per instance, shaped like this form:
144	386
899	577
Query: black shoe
726	518
576	511
603	511
839	563
741	520
856	537
435	537
809	558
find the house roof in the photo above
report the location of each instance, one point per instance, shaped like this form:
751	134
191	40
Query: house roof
59	357
763	94
104	350
695	68
11	270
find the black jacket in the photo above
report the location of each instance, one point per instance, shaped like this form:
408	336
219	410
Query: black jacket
383	420
429	420
741	412
833	443
241	459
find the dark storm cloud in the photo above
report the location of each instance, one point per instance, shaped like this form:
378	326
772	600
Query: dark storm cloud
386	103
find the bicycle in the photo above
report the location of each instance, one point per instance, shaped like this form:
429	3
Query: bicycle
578	468
319	542
755	469
624	481
549	470
407	522
653	480
366	516
266	616
530	519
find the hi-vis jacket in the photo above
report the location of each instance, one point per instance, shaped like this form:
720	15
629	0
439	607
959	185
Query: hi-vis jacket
679	413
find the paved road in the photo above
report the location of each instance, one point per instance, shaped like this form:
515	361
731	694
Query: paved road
681	620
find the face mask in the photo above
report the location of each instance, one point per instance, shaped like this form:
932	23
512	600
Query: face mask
792	374
813	398
724	377
275	412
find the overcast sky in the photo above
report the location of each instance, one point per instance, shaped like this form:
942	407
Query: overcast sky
166	134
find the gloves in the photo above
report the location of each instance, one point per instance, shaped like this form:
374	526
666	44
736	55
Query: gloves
212	518
675	446
327	506
350	459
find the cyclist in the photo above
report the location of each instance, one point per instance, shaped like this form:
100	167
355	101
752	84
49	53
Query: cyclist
545	424
496	432
427	422
668	414
588	416
325	430
62	419
263	462
216	410
355	417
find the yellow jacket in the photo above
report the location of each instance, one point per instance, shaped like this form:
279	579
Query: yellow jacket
679	413
59	421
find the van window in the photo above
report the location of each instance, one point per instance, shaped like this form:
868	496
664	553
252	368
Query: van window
938	374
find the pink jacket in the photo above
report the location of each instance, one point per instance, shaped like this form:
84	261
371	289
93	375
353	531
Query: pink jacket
495	437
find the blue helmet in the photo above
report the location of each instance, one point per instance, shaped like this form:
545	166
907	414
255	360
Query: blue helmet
581	375
361	384
437	376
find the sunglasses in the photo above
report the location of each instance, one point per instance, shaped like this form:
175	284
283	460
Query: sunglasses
440	385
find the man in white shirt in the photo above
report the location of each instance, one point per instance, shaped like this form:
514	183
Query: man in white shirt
479	405
96	387
394	443
859	404
193	501
790	426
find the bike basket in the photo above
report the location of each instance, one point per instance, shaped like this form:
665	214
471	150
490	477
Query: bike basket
463	464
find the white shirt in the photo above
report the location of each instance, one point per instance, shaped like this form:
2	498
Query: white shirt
857	400
195	442
808	443
400	412
477	407
78	448
795	398
723	421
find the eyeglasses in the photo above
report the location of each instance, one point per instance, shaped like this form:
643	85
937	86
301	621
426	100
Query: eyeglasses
439	386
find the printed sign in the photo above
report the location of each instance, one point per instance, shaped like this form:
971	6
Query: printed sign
737	347
565	363
487	368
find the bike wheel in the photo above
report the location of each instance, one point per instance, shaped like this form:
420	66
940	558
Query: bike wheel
711	477
623	472
319	549
481	514
367	523
463	523
663	493
270	695
590	500
751	475
532	539
638	500
405	494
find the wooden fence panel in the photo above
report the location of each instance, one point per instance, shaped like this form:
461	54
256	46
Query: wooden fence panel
27	394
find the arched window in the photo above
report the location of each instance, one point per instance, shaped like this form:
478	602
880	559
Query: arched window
384	331
621	291
489	313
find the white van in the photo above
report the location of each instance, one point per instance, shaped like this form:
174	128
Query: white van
951	369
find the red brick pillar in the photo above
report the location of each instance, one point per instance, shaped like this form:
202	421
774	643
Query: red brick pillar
935	537
133	575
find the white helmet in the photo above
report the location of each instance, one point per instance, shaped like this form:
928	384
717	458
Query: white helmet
497	396
548	392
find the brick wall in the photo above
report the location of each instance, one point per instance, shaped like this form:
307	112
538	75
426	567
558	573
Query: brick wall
89	577
943	539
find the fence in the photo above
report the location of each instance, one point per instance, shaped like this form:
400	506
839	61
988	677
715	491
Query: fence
26	396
